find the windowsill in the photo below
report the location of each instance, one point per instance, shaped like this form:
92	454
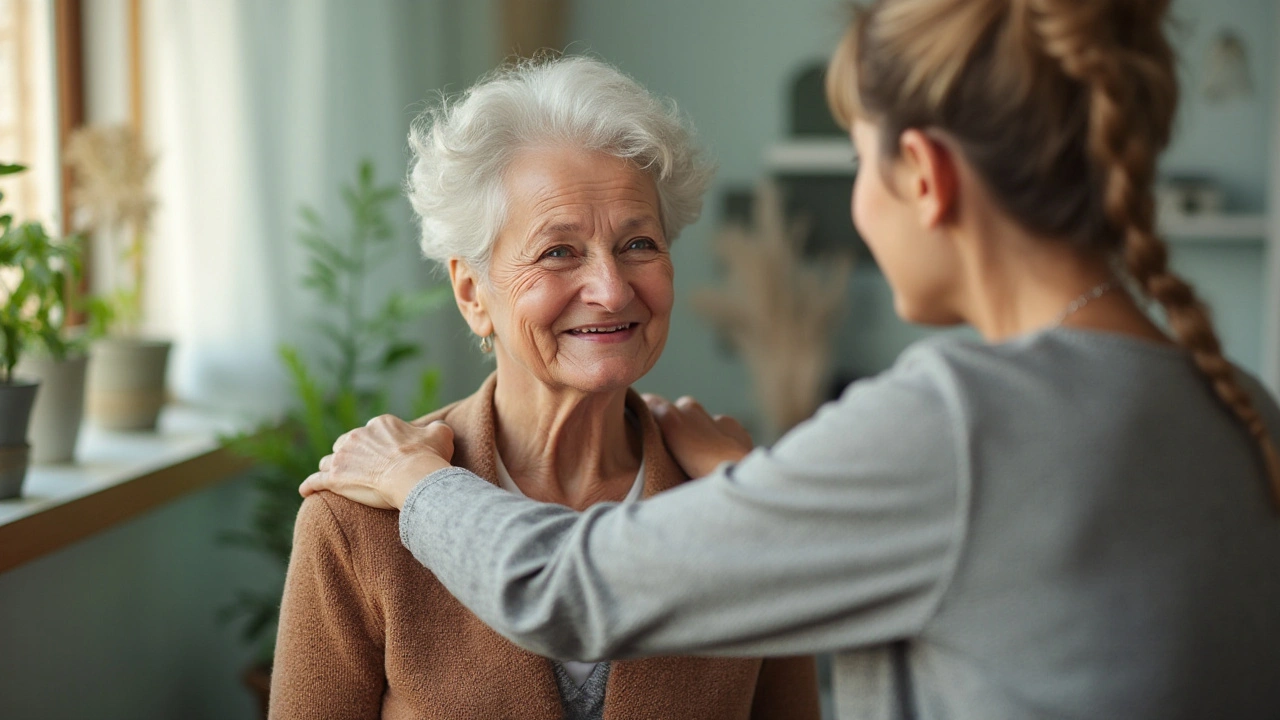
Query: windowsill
118	476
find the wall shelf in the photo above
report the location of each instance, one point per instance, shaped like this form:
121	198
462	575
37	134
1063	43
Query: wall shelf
819	156
834	157
1216	228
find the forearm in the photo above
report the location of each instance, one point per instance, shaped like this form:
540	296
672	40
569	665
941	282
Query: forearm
711	568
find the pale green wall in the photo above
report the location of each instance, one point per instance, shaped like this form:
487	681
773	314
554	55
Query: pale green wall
122	626
1232	143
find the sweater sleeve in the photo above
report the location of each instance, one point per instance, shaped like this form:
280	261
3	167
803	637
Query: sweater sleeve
787	689
843	535
329	650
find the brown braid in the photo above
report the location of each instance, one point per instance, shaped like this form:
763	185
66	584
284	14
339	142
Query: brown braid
1071	31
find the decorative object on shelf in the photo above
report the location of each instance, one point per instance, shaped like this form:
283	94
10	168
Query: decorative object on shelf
778	308
112	198
36	271
360	349
810	115
1186	195
1226	69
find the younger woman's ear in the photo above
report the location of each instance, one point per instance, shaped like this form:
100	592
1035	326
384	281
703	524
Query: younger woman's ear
929	168
466	292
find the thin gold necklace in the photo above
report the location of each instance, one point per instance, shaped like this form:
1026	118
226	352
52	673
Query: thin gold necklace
1085	298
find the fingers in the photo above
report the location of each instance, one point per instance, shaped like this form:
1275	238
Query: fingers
671	415
734	429
656	403
441	429
659	405
689	405
386	421
440	436
314	483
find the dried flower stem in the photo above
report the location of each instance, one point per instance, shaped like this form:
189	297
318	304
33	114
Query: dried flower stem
778	309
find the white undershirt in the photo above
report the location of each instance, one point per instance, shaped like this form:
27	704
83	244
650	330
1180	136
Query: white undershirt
579	671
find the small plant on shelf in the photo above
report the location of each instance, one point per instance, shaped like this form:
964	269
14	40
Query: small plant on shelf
35	290
340	388
36	273
111	196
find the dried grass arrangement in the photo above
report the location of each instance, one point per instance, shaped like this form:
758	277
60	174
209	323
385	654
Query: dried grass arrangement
112	198
778	308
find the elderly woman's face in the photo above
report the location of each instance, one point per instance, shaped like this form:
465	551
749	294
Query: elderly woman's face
580	281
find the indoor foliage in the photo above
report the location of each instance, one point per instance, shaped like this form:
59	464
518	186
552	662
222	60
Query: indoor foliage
36	274
340	388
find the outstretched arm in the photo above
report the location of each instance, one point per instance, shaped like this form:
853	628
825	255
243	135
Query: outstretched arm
843	535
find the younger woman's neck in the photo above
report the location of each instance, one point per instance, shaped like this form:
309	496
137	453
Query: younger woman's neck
561	445
1017	283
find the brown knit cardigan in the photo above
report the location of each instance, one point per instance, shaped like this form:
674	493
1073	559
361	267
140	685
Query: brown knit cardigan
367	632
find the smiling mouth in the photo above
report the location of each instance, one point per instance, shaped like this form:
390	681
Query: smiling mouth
604	329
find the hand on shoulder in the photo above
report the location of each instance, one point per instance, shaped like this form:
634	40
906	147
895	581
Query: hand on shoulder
378	464
696	439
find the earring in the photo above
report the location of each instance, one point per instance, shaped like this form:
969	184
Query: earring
486	343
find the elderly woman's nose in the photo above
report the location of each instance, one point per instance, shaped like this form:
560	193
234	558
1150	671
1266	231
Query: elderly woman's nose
607	285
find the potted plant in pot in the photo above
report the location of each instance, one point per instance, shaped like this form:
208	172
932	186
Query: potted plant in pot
340	385
112	198
35	274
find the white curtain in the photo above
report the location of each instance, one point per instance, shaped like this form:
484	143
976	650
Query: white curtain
255	108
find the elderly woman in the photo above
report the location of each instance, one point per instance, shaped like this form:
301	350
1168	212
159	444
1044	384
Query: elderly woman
552	192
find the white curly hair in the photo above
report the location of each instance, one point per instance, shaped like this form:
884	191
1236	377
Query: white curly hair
462	145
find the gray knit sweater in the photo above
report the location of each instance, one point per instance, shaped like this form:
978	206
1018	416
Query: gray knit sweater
1066	525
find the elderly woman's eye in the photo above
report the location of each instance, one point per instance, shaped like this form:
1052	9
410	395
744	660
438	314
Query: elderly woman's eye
557	252
642	244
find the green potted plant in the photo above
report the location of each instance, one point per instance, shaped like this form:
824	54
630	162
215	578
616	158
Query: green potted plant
111	194
361	346
35	274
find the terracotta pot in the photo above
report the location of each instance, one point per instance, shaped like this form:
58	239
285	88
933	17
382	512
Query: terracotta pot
55	419
126	386
16	399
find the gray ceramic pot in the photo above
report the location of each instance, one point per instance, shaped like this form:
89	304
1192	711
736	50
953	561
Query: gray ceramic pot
55	419
16	399
126	387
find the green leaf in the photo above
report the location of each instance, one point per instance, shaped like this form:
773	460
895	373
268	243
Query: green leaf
35	270
398	353
325	252
355	347
310	218
10	169
428	397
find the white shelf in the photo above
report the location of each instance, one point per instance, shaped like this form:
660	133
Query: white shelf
835	157
1214	228
832	156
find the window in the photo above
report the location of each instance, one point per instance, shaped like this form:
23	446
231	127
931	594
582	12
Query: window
28	118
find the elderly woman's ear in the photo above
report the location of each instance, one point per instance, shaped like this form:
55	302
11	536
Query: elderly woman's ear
466	292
